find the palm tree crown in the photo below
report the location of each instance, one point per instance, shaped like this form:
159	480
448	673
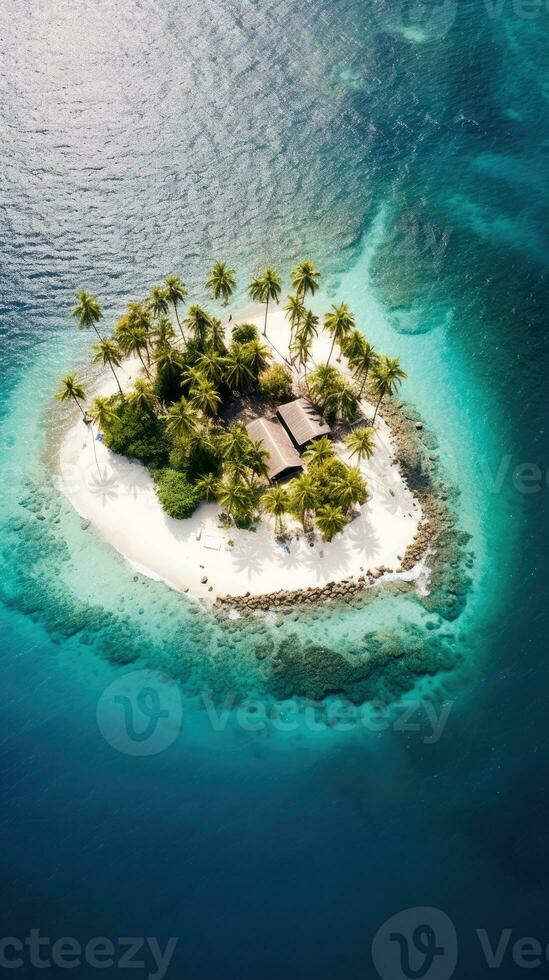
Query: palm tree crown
158	301
388	376
305	279
176	292
294	311
277	502
319	451
238	371
330	519
303	496
142	396
264	288
339	324
181	420
198	322
222	282
70	387
87	311
101	412
360	443
107	352
205	397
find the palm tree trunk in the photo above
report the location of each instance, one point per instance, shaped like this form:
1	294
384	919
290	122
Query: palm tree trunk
115	377
79	405
363	385
97	332
377	406
266	312
332	350
179	322
147	372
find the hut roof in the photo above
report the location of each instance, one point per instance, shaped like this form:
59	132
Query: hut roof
302	421
282	455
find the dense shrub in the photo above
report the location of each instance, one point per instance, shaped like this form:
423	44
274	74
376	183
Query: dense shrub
137	433
195	459
178	497
276	383
244	333
167	385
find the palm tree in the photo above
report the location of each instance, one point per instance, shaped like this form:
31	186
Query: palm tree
294	310
309	326
265	287
222	282
277	502
257	457
199	323
175	293
388	375
237	496
319	451
142	396
207	486
216	338
353	345
70	387
301	351
108	352
322	382
339	324
163	332
330	520
158	301
305	279
238	371
132	339
87	311
181	420
303	497
257	356
362	362
205	397
211	365
192	375
348	489
101	412
234	444
360	443
303	341
138	316
168	358
347	403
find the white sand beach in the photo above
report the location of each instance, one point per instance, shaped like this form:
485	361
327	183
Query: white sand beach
118	498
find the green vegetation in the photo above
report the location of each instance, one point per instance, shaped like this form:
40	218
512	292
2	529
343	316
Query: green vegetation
175	417
70	388
245	332
178	497
276	383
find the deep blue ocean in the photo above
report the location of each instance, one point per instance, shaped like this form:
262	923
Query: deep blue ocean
404	148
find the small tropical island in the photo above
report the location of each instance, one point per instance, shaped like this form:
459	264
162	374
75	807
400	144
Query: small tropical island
240	457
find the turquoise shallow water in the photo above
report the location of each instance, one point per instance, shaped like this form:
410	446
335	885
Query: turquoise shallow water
406	158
